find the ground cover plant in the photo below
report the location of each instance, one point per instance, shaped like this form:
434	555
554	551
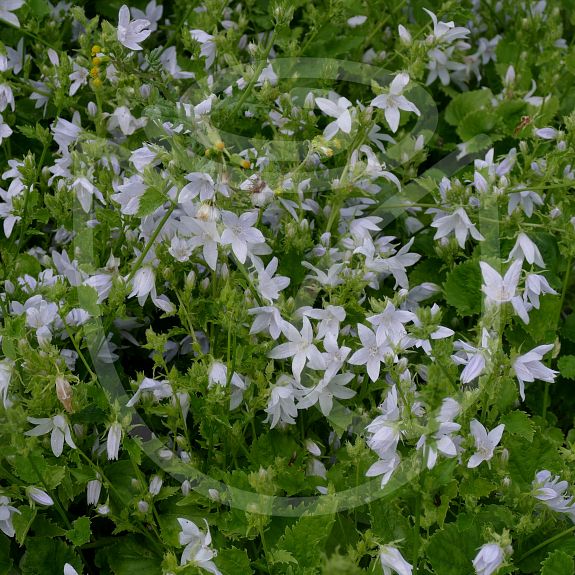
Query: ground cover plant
286	287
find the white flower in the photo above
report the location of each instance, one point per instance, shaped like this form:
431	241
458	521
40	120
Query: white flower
336	109
459	223
525	248
69	570
79	77
6	9
267	318
384	430
281	406
169	60
200	184
84	191
326	390
474	358
528	367
155	485
39	496
59	431
552	492
536	285
122	118
159	389
197	550
143	283
394	101
389	324
526	199
131	32
6	512
485	442
356	21
446	32
209	49
153	14
6	369
300	347
205	234
371	354
501	290
269	287
6	97
385	467
240	232
180	249
114	440
392	561
5	130
490	558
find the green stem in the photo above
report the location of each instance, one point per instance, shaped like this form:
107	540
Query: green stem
546	399
256	74
545	543
151	242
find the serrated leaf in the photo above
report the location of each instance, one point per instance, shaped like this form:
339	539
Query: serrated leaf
281	556
475	123
129	556
233	561
558	563
518	423
150	201
467	102
566	365
48	557
452	549
81	533
303	539
463	288
23	522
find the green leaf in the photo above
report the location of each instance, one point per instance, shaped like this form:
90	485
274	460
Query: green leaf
566	365
451	550
542	327
281	556
475	123
48	557
129	556
463	288
558	563
23	522
467	102
525	459
233	561
518	423
306	537
5	561
88	299
568	329
81	533
151	200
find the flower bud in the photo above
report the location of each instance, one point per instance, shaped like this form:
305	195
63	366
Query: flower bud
64	392
39	496
155	485
93	489
143	506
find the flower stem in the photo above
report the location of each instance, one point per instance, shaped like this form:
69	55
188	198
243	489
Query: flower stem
545	543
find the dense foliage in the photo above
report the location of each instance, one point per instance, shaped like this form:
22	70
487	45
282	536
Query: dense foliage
286	287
